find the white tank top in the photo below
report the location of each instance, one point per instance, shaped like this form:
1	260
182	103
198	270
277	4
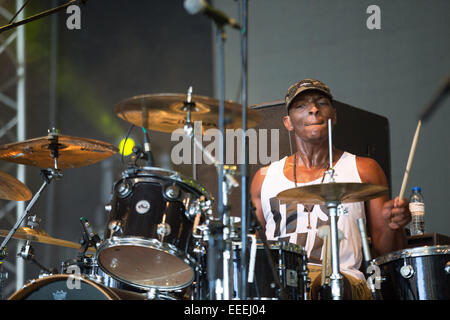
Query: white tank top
290	223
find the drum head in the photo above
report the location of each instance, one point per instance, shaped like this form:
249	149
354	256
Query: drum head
145	263
64	287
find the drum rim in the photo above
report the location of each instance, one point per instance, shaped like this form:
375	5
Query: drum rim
412	253
165	247
173	175
283	245
26	289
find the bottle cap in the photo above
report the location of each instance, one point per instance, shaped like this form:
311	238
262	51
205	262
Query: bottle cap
416	189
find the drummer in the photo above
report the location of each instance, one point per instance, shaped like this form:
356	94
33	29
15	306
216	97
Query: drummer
309	105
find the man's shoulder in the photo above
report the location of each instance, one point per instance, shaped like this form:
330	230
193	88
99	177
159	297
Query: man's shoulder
369	170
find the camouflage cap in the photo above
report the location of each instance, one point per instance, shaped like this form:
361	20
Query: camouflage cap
304	85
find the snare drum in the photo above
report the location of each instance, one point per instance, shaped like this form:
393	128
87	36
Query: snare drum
70	287
421	273
290	263
148	241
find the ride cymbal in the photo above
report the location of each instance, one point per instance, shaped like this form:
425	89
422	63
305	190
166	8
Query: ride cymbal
333	192
13	189
71	152
166	112
26	233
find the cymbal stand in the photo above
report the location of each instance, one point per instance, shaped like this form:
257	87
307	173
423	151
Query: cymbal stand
221	287
48	175
336	279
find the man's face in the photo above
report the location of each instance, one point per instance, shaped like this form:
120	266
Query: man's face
308	116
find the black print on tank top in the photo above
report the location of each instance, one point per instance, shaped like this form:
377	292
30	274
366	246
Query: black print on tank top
275	208
291	226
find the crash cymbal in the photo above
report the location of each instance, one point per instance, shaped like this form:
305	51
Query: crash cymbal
337	192
72	152
13	189
26	233
166	112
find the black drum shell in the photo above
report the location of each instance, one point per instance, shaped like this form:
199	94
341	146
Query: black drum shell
55	287
429	281
145	225
148	241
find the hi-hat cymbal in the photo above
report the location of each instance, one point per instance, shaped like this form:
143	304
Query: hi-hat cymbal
26	233
333	192
72	152
13	189
166	112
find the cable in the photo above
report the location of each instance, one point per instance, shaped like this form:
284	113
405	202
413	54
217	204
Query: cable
125	142
17	13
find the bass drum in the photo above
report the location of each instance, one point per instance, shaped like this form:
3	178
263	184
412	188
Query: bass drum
70	287
148	241
421	273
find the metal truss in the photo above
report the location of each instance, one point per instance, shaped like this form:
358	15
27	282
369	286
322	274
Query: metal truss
12	129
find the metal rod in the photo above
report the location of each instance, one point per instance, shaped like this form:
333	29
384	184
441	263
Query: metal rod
20	220
336	277
21	128
220	34
245	166
330	143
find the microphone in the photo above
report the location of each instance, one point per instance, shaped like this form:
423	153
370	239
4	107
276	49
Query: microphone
93	236
365	242
147	149
201	6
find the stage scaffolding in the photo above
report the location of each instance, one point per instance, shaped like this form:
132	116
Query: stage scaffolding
12	129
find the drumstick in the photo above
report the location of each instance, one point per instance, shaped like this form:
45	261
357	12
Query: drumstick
196	221
410	160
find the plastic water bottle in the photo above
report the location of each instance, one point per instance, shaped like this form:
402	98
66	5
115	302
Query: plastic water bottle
417	208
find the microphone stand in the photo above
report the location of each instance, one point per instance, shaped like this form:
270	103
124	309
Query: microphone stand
245	166
223	208
219	240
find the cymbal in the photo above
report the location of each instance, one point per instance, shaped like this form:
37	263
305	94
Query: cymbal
72	152
333	192
166	112
26	233
13	189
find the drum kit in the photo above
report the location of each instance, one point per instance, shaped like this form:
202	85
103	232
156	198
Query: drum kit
158	239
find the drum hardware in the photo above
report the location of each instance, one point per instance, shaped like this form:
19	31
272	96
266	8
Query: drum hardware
226	182
168	112
407	271
376	295
27	251
48	175
94	239
447	267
